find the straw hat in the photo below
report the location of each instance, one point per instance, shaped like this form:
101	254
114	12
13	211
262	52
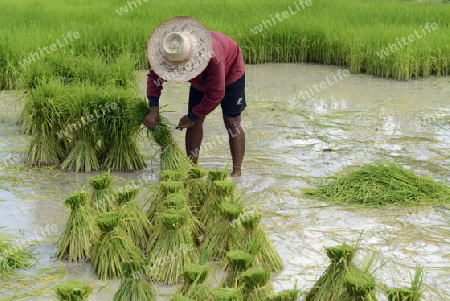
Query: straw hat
179	49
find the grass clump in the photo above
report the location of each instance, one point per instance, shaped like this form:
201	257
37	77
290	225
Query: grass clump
80	232
413	293
72	290
382	184
12	257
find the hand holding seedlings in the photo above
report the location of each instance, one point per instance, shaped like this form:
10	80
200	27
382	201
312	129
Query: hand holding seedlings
152	118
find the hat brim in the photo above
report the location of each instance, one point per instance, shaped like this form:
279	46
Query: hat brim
198	59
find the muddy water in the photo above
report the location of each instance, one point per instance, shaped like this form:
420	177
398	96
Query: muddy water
303	123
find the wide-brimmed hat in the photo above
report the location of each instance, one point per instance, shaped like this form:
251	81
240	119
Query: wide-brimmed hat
179	49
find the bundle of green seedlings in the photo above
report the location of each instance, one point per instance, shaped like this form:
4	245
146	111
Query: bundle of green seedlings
195	274
331	285
227	294
73	290
80	232
134	285
220	191
268	258
133	220
174	247
102	199
238	262
222	234
162	190
12	257
196	188
413	293
113	247
286	295
256	287
179	297
382	184
360	286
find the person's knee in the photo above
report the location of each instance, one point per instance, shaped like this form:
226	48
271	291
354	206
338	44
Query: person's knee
232	122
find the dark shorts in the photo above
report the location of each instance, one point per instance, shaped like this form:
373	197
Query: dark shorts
232	104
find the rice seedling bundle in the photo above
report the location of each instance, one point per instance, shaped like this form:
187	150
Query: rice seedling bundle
268	258
382	184
113	247
80	232
227	294
73	290
219	191
196	188
194	285
133	219
134	285
171	175
217	175
238	261
164	188
255	285
286	295
360	286
414	293
12	257
102	195
179	297
173	249
222	234
178	201
332	284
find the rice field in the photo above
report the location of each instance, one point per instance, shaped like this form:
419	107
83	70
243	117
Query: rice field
372	37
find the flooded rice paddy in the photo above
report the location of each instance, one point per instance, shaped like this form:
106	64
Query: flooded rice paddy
303	122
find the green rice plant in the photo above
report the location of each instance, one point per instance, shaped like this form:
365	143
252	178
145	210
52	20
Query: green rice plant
133	220
332	284
12	257
413	293
217	174
80	232
267	258
134	285
163	189
102	199
227	294
238	262
113	247
171	175
255	285
179	297
221	234
73	290
382	184
360	285
216	193
173	249
286	295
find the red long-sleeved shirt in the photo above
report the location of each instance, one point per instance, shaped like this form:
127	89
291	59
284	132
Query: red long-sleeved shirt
224	68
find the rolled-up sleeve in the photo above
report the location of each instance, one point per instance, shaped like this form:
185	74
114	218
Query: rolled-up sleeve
154	84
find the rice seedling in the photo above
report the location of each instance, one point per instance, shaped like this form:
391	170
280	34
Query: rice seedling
222	233
360	286
413	293
332	284
163	189
286	295
227	294
238	262
80	232
218	192
217	174
12	257
382	184
173	249
73	290
171	175
113	247
255	285
134	286
102	199
133	219
268	258
179	297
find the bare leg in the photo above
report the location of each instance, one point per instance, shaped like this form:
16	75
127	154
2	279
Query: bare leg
193	140
236	138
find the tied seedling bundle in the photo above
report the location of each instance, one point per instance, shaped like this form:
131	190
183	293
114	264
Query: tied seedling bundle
133	219
286	295
332	284
174	247
102	196
413	293
196	188
222	235
12	257
72	290
163	189
255	285
268	258
80	232
113	248
360	286
134	286
382	184
227	294
238	262
219	191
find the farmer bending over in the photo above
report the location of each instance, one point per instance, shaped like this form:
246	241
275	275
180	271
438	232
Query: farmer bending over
182	49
